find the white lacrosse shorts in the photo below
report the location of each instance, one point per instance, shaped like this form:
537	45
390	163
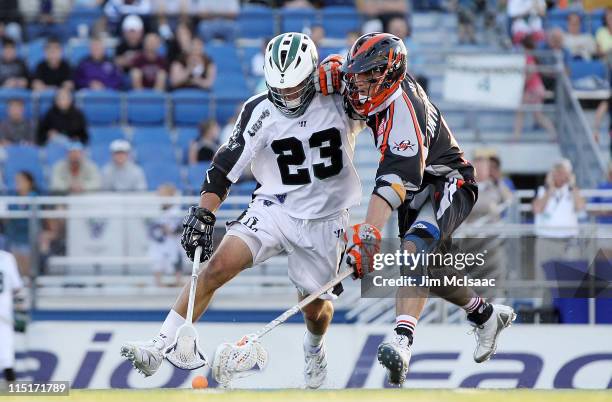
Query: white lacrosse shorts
313	246
7	346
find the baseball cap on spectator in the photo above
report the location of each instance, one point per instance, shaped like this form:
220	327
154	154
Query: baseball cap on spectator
132	23
120	146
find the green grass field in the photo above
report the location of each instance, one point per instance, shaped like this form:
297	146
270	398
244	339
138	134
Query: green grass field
185	395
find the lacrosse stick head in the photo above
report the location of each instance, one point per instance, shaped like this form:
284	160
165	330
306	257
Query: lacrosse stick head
238	360
185	352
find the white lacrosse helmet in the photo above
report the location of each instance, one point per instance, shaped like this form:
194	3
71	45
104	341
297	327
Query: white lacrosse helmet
290	64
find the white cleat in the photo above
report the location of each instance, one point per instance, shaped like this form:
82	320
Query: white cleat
395	357
487	333
315	367
146	357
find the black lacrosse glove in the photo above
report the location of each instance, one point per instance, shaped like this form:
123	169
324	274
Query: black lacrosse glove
198	228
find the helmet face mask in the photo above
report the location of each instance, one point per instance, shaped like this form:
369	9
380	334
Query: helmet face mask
374	70
290	63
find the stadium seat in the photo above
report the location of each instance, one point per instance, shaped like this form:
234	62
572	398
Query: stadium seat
581	68
8	94
162	173
85	16
154	153
190	106
244	188
195	175
296	19
23	158
99	154
225	56
218	28
105	135
44	101
145	107
231	84
54	152
338	21
247	55
151	135
33	53
256	21
225	106
184	136
100	107
77	52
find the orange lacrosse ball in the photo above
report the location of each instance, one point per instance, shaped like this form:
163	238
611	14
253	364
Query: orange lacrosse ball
199	382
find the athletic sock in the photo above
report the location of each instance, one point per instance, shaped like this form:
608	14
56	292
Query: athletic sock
405	325
313	342
478	310
171	324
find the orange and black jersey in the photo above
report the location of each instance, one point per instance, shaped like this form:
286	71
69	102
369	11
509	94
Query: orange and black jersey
414	141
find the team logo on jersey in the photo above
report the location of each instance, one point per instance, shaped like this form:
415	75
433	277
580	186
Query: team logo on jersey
232	142
257	125
281	197
381	127
403	146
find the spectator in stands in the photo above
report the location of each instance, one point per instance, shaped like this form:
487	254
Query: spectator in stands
54	71
466	19
10	20
257	61
215	8
526	17
203	148
317	34
180	44
533	95
64	122
150	68
13	71
97	71
580	45
115	10
554	51
75	174
380	12
122	174
164	238
195	69
399	27
491	193
556	208
16	128
18	230
131	43
497	175
603	36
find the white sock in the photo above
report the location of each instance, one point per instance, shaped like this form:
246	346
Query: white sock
473	304
406	322
313	342
170	326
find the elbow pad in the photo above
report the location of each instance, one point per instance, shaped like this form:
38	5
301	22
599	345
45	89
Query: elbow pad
216	182
391	189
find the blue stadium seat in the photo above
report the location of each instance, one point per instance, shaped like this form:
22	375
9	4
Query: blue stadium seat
44	101
581	68
231	84
218	28
225	106
225	57
146	107
162	173
151	135
195	176
296	19
77	52
190	106
338	21
7	94
244	188
100	107
54	152
26	158
99	154
256	21
33	53
247	55
184	136
105	135
86	16
154	153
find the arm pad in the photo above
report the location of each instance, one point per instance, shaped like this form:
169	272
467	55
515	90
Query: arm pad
391	189
216	182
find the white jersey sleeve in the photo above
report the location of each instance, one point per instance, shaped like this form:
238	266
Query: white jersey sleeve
10	281
238	152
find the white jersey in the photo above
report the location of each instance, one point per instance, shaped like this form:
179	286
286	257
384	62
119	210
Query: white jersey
304	164
10	281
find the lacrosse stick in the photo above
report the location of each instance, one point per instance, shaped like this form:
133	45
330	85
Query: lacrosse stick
237	360
185	352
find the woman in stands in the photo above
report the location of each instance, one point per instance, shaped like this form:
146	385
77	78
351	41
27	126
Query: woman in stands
64	122
203	148
193	70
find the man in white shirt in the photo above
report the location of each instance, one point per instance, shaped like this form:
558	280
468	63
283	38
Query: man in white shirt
10	283
556	209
